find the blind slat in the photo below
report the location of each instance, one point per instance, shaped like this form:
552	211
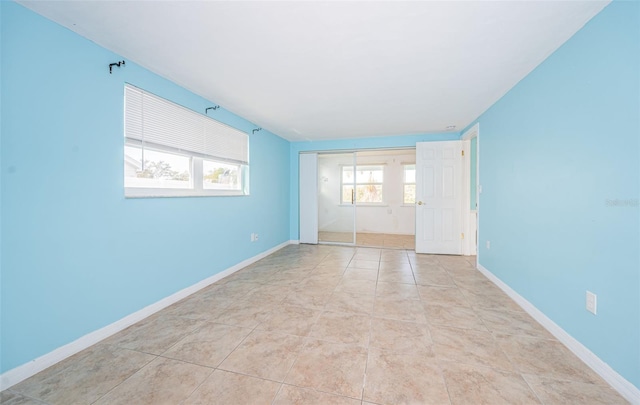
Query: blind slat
149	118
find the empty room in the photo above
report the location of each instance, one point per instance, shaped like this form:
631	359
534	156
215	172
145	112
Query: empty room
320	202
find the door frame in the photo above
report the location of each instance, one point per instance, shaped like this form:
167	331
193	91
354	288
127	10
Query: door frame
471	218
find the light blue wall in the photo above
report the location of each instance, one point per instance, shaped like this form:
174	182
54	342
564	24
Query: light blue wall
348	144
77	255
556	151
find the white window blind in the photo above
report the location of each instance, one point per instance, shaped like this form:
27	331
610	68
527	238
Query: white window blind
153	120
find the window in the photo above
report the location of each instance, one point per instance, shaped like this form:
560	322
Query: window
368	184
171	151
409	184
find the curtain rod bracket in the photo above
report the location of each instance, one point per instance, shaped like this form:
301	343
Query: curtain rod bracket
118	64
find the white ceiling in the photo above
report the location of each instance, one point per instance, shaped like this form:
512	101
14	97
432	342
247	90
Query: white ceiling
308	70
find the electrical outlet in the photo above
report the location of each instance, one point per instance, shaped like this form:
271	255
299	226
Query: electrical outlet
592	302
488	245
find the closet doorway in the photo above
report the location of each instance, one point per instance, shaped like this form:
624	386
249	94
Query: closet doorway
366	198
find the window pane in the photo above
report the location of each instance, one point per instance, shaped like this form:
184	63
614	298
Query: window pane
369	193
346	194
410	173
160	169
371	174
220	176
347	174
409	193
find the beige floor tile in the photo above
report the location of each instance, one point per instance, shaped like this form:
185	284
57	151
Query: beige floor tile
290	320
397	378
196	307
512	323
311	299
329	367
399	336
547	358
163	381
361	274
241	314
155	334
290	395
396	291
396	266
350	302
339	327
469	384
209	345
469	347
225	388
368	256
233	290
442	296
403	310
493	300
367	287
321	281
363	264
258	322
396	276
85	377
264	354
13	398
394	257
267	294
328	270
433	277
552	391
454	316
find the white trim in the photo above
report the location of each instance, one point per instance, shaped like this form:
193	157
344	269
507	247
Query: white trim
471	240
617	382
466	198
471	132
20	373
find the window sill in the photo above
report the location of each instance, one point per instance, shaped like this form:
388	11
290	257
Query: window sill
172	192
365	205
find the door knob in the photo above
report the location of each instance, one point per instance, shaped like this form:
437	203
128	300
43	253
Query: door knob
420	203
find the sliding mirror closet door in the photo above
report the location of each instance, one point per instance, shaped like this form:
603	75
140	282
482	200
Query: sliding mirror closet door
336	198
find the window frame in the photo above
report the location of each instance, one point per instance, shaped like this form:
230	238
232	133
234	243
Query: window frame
196	174
405	183
355	185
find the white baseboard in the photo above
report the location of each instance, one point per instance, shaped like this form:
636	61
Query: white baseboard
294	242
20	373
629	391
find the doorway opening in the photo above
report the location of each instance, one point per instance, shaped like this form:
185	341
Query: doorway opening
367	198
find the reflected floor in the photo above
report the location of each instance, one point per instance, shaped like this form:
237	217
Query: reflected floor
386	240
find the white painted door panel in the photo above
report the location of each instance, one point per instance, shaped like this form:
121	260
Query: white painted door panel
439	197
308	189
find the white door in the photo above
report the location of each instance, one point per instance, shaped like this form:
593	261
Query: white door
439	197
308	203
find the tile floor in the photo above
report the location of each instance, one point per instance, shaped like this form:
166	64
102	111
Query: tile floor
329	325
